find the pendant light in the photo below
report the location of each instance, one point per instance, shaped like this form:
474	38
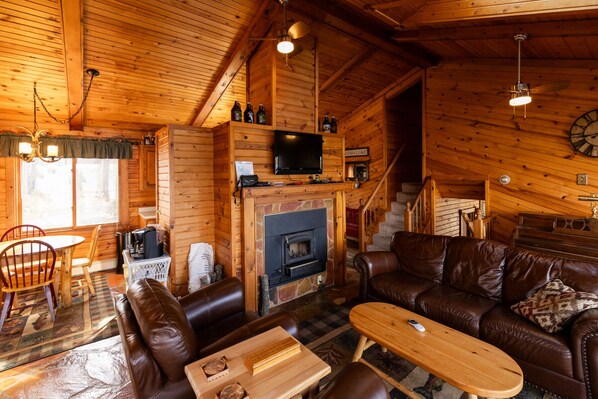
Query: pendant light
520	92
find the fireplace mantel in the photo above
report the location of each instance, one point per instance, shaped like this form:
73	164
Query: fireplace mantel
256	197
296	190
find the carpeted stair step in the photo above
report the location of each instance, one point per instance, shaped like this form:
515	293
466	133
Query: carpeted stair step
394	218
397	207
403	198
372	247
388	229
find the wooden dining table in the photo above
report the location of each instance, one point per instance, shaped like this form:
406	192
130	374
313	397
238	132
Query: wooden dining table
64	246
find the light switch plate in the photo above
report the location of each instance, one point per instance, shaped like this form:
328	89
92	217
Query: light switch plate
582	179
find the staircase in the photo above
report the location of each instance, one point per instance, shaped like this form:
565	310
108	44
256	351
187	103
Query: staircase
395	218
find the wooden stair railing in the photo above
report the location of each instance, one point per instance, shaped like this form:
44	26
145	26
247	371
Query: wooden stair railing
369	215
419	217
479	227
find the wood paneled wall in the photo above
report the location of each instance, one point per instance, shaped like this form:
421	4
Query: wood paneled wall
288	91
470	128
367	128
186	156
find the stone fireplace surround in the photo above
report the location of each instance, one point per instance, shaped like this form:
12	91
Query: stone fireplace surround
286	292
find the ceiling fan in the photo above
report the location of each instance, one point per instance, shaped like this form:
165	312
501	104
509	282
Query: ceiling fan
285	38
521	92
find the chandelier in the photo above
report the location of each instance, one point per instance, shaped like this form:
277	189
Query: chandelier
29	151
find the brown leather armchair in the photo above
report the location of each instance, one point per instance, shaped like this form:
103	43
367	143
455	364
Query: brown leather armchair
161	334
355	381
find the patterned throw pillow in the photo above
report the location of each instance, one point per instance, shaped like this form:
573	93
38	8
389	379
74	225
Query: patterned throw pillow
553	305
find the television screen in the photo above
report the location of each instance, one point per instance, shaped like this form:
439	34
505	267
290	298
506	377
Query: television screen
297	153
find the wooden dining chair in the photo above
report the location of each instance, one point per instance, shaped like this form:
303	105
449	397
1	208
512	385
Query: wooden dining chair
22	231
27	265
85	263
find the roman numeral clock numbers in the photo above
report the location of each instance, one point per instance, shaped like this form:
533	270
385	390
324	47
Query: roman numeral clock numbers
583	134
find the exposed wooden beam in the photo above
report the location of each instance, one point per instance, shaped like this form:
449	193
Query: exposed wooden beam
455	10
533	29
355	61
71	11
352	24
263	19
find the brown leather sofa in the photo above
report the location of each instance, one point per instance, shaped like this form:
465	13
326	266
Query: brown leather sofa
161	334
470	284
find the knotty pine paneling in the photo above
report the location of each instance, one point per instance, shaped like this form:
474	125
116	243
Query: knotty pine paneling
186	156
471	128
367	128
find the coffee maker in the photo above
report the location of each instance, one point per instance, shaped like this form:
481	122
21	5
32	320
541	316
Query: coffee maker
146	243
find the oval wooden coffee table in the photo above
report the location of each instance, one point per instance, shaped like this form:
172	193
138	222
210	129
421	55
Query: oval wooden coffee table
465	362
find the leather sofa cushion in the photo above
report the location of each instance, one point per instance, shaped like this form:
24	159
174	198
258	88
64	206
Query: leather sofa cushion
454	308
522	339
164	327
526	272
475	266
422	255
579	275
398	288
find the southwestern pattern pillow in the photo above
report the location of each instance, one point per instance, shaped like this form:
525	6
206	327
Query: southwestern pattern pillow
553	305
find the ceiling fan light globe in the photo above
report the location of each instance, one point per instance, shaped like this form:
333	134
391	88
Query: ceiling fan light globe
285	45
520	99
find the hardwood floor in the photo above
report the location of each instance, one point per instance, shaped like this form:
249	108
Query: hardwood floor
98	370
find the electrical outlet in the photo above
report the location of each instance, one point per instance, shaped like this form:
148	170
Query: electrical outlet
582	179
319	279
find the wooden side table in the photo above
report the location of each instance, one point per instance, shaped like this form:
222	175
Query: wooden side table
284	380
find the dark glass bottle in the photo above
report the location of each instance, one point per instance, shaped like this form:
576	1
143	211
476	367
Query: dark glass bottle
236	113
326	123
260	117
333	125
248	116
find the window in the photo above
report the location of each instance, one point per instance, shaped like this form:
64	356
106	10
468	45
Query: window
48	199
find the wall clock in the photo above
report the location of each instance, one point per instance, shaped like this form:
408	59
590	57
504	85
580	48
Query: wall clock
584	134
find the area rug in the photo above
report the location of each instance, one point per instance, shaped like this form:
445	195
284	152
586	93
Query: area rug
30	334
330	336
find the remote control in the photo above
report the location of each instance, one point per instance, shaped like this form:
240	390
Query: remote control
416	325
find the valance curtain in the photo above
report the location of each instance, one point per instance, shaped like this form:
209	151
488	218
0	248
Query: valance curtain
69	147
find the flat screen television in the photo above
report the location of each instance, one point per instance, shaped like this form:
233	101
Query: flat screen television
297	153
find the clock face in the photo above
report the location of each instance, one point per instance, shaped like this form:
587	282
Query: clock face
584	134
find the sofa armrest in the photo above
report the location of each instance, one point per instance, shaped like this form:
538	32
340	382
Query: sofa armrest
282	318
370	264
214	302
584	345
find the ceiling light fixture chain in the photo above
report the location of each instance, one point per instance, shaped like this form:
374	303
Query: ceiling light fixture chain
91	72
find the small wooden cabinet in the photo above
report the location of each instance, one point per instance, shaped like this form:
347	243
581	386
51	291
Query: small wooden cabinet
147	167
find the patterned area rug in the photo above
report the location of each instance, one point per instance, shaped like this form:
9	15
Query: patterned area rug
30	334
331	337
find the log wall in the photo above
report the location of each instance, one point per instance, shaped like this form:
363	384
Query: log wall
470	128
447	214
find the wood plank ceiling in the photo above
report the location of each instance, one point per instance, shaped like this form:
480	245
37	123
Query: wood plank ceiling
181	61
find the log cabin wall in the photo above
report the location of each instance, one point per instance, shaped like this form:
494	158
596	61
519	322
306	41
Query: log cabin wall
470	127
131	197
